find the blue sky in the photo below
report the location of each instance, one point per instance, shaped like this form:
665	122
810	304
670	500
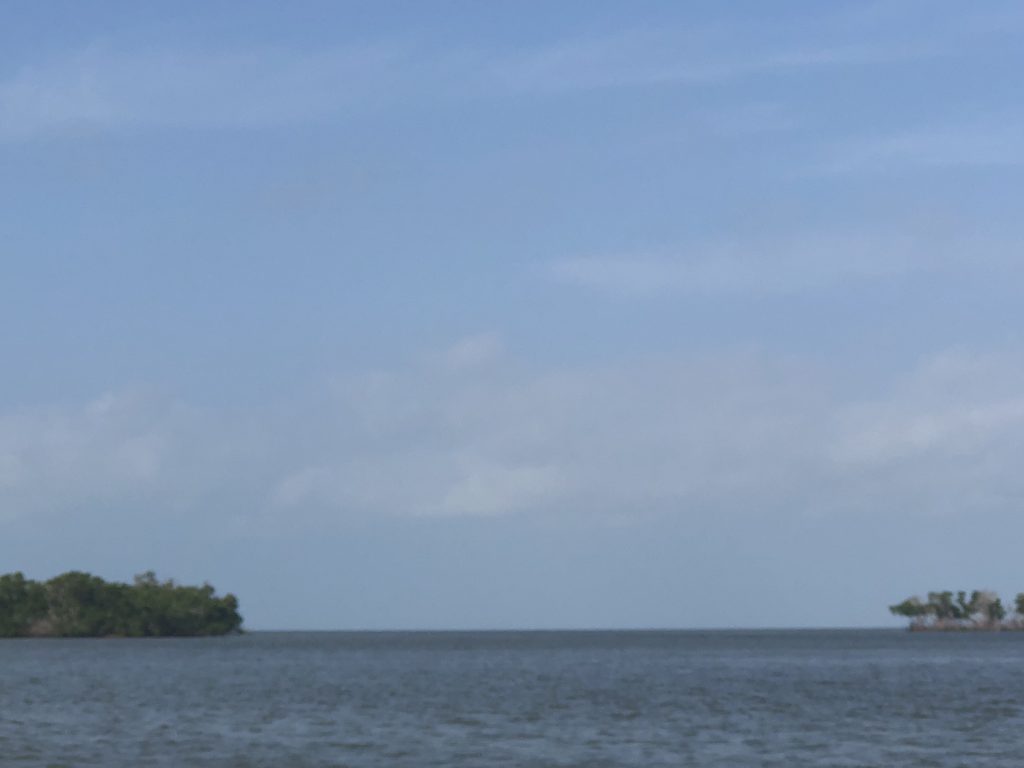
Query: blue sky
515	314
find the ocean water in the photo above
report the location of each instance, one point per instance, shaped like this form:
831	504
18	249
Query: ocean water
799	698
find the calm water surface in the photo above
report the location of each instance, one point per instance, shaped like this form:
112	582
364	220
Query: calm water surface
850	698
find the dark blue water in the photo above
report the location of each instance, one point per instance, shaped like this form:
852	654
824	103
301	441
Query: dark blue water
850	698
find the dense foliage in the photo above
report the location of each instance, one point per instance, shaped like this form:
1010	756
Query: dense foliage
943	610
77	604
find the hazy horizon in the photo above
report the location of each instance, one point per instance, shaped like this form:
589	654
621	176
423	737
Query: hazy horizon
575	315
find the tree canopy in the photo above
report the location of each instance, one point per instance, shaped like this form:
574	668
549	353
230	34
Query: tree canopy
77	604
944	610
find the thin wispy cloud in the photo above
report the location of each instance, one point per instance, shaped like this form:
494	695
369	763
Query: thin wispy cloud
761	266
106	87
101	88
718	53
641	57
994	144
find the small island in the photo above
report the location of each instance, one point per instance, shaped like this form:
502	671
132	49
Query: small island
943	612
77	604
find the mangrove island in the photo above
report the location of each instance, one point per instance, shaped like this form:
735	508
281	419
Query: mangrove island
942	611
77	604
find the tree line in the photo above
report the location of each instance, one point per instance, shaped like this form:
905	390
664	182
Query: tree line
77	604
981	609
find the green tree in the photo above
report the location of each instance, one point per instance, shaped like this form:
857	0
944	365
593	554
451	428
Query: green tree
965	608
941	605
77	604
996	612
942	610
23	605
911	608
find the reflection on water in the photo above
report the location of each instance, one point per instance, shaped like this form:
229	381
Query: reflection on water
533	699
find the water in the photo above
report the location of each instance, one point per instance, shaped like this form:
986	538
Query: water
850	698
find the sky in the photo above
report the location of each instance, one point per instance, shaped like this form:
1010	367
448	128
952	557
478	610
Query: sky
518	314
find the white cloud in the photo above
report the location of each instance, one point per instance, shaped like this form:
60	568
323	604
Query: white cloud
474	351
494	489
954	406
571	442
943	441
123	451
725	435
957	429
60	455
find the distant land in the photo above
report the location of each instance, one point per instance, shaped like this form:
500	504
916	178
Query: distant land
77	604
942	612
